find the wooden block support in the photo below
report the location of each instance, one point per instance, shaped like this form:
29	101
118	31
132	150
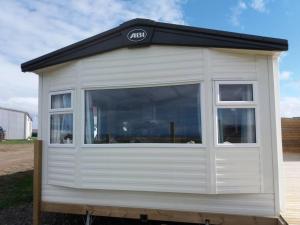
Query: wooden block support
37	176
157	214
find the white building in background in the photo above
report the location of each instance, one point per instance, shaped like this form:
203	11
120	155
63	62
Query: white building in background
17	124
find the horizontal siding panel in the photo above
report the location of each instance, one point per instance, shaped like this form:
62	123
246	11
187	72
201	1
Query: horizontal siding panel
64	76
166	60
224	62
246	204
149	53
62	171
154	167
128	172
130	69
166	169
150	188
148	159
144	77
133	66
61	166
238	171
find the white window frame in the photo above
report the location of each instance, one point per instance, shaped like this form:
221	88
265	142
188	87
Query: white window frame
235	104
60	111
145	145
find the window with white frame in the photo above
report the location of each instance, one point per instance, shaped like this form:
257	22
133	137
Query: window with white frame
162	114
61	117
236	112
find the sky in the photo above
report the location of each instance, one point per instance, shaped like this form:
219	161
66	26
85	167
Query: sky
30	28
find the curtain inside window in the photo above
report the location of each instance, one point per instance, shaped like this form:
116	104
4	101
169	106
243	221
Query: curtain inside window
89	119
236	125
61	128
61	101
248	126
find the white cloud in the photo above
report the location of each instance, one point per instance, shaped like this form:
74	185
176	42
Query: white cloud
36	27
236	12
27	104
285	75
290	107
241	6
32	28
258	5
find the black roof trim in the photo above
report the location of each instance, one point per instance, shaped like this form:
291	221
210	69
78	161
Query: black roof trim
157	33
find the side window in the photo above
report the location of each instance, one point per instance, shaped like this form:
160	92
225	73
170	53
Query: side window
61	117
236	112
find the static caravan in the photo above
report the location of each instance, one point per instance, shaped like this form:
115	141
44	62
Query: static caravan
160	121
15	123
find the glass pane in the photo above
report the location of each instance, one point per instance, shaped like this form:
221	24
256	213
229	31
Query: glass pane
143	115
236	125
61	128
235	92
61	101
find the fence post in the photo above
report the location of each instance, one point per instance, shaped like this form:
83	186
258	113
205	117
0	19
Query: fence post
37	175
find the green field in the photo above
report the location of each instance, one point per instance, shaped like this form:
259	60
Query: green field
7	142
15	189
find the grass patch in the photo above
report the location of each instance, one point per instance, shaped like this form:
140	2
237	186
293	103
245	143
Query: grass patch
16	189
12	142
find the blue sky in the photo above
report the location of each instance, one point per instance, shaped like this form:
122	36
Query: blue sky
32	28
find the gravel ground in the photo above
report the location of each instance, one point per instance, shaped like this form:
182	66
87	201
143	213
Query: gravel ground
22	215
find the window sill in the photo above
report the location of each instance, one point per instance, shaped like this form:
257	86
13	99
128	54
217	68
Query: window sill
236	145
61	145
144	145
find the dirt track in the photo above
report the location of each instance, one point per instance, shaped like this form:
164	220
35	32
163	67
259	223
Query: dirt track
15	158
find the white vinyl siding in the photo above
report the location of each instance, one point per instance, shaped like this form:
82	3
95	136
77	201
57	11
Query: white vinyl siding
208	178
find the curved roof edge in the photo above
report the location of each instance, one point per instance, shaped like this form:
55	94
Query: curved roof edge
144	32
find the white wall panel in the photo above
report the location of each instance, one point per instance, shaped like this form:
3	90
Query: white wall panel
249	204
146	65
150	169
237	171
229	65
208	179
61	166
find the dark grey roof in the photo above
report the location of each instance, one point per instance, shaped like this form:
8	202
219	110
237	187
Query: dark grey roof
15	110
155	33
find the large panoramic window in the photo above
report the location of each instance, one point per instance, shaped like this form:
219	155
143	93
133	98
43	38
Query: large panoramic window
235	109
61	118
164	114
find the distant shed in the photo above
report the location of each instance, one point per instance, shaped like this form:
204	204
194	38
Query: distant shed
16	124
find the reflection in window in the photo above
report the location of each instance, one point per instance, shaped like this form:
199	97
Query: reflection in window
236	125
169	114
61	128
60	101
236	92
